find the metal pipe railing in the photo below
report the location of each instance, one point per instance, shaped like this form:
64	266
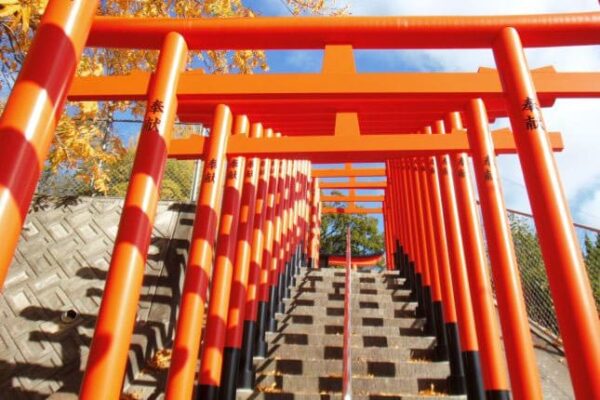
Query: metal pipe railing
347	376
575	224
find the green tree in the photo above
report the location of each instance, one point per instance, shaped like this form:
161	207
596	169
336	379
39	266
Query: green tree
365	236
592	261
534	279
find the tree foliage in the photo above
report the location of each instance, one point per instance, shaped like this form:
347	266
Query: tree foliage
592	261
534	278
176	183
85	140
365	236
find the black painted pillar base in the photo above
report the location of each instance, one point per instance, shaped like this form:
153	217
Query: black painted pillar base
456	385
273	295
260	345
497	394
272	324
429	328
294	271
280	307
287	279
404	265
207	392
413	281
473	375
399	260
441	346
323	261
420	310
310	263
246	373
456	381
231	362
300	258
289	276
402	270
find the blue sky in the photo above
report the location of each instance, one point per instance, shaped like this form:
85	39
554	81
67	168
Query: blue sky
577	120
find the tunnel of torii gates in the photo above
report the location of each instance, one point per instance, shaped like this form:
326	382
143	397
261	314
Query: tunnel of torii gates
267	130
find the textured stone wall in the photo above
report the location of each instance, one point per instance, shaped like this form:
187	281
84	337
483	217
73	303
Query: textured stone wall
53	292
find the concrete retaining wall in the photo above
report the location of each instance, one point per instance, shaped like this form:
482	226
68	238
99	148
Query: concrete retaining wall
53	292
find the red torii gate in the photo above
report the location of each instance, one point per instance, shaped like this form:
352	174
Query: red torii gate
357	261
439	247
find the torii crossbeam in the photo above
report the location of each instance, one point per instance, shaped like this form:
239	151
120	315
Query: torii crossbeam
279	124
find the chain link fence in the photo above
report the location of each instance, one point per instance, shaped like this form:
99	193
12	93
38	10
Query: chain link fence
178	183
534	280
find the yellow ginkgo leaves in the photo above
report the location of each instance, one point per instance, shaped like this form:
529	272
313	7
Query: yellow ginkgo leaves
86	145
20	12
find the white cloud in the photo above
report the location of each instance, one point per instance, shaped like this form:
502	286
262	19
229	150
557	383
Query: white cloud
468	7
577	120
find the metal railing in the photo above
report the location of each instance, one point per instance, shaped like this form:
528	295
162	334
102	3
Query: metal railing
347	375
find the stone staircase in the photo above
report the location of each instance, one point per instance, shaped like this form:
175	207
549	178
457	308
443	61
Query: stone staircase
391	358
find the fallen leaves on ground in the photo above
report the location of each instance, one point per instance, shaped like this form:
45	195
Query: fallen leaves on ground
161	360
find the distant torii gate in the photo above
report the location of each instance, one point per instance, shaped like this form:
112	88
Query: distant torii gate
352	198
336	116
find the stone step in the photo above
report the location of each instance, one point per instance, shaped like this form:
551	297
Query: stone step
279	395
356	320
392	359
332	383
319	311
355	279
311	339
357	305
355	285
320	352
436	370
339	272
321	297
356	291
338	329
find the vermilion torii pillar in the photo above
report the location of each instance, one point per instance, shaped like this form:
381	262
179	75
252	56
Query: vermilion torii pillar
241	273
313	251
419	262
180	382
409	238
285	241
274	261
460	281
488	184
108	354
32	112
211	362
437	270
249	342
419	196
265	273
569	284
389	253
